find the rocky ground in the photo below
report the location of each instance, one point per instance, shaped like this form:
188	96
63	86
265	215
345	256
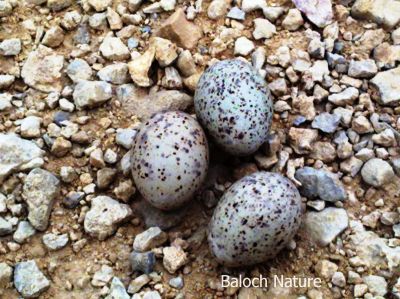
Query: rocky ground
77	79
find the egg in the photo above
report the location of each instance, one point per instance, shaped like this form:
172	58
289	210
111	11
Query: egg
255	218
234	105
169	159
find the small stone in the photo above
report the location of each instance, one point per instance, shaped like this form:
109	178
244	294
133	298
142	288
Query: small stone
323	227
104	216
113	49
165	51
29	280
360	290
5	82
55	242
338	279
42	70
361	125
318	183
5	227
100	5
236	14
5	8
143	262
326	269
105	177
103	276
251	5
301	140
136	284
344	97
323	151
351	166
71	20
79	69
115	73
5	275
168	5
319	12
72	199
272	13
17	154
174	258
388	91
140	66
110	156
176	282
10	47
30	127
243	46
377	285
362	69
91	93
386	12
117	290
377	172
326	122
24	231
114	20
53	37
179	30
149	239
263	29
98	21
293	20
304	105
61	147
40	190
124	137
217	9
57	5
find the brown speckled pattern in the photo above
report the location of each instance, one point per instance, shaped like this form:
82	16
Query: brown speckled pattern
169	159
255	218
234	105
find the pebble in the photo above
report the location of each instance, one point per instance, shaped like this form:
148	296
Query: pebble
40	190
139	67
103	276
385	13
100	5
88	94
5	227
55	242
385	83
79	69
117	290
176	282
53	37
263	29
326	269
243	46
362	69
105	177
318	183
326	122
29	281
377	172
10	47
236	14
142	262
30	127
323	227
377	285
293	20
5	275
251	5
112	48
174	258
23	232
115	73
149	239
104	216
139	282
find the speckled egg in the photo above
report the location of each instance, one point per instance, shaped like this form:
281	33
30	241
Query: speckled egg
234	105
169	159
255	218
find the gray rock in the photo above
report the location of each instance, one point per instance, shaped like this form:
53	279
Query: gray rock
79	69
29	280
236	14
318	183
124	137
10	47
42	70
40	190
88	94
24	231
72	199
82	35
362	69
114	73
17	154
6	81
176	282
142	262
117	290
387	86
377	285
105	176
149	239
5	227
104	216
326	122
113	48
377	172
103	276
55	242
344	97
5	275
323	227
57	5
5	101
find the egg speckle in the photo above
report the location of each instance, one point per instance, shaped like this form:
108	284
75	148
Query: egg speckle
234	105
169	159
255	218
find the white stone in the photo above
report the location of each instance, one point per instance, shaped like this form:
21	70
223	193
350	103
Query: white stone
243	46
